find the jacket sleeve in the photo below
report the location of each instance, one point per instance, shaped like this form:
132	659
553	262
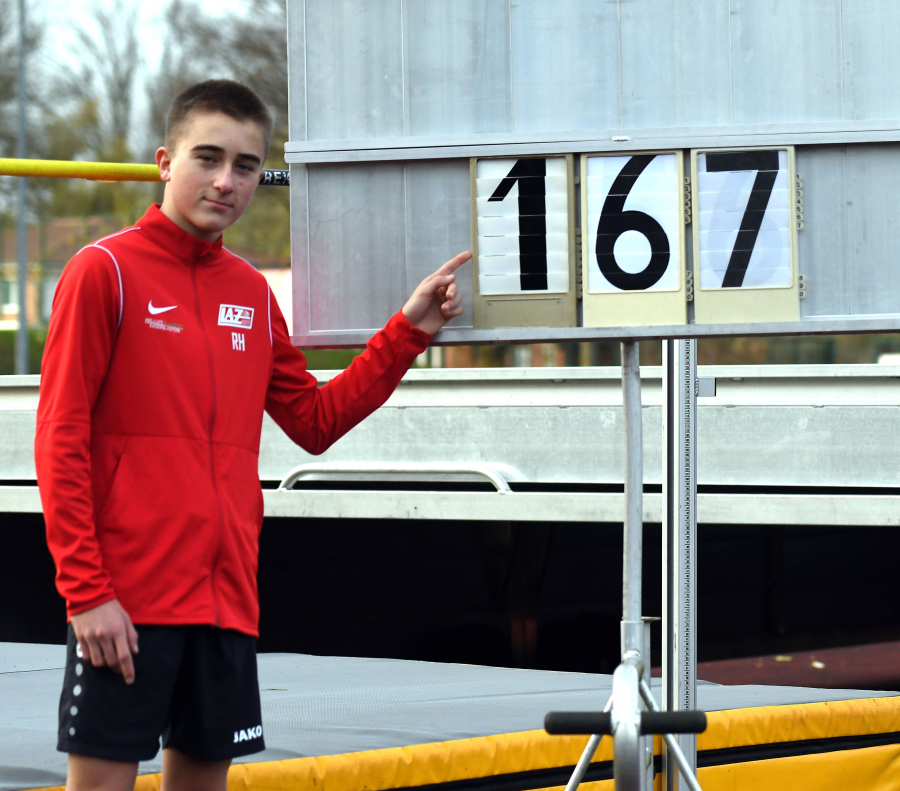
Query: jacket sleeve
316	417
80	341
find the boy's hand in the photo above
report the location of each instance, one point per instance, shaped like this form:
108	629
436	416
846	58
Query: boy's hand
107	638
436	299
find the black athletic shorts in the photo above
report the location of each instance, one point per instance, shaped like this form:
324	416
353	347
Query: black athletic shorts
195	687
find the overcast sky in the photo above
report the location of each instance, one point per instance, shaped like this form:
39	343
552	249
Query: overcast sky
59	17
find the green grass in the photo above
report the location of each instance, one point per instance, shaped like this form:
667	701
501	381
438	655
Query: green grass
325	359
36	340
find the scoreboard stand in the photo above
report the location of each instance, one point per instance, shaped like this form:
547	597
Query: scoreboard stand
632	715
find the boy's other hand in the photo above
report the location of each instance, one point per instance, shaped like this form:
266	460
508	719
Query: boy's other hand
436	299
107	638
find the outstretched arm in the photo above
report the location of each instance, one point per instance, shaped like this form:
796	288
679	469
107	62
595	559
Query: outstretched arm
315	417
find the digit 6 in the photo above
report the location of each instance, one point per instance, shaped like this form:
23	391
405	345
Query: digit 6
614	221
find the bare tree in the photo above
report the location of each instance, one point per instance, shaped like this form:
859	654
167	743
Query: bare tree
9	71
87	113
259	42
192	52
251	48
9	64
114	59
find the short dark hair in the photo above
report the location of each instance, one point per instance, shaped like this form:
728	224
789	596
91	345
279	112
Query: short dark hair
230	97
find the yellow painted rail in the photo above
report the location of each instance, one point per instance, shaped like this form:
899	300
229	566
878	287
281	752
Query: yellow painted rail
106	171
95	171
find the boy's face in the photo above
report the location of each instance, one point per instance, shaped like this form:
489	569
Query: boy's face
212	173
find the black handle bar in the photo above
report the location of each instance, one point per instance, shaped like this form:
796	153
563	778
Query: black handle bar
569	723
673	721
577	723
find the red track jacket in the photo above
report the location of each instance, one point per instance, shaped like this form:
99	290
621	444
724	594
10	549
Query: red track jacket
162	353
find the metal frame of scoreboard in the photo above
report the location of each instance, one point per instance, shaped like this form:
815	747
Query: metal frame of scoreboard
815	270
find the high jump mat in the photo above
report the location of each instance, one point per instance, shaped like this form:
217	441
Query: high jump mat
352	724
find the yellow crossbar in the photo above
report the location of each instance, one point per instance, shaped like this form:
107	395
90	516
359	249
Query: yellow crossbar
95	171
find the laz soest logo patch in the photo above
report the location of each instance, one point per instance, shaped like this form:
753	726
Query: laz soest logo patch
235	316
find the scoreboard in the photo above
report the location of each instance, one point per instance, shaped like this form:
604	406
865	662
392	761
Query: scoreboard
619	170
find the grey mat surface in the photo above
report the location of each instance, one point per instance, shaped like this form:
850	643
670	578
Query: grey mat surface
315	705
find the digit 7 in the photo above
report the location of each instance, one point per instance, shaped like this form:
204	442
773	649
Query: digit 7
765	163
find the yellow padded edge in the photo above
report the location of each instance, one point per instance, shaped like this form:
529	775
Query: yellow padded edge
867	769
777	724
95	171
442	762
380	770
399	767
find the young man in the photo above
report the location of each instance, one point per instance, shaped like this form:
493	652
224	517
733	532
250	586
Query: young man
163	351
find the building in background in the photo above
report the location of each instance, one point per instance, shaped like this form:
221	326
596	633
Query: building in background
52	244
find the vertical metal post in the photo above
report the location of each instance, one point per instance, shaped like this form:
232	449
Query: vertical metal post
632	625
647	741
679	666
629	751
22	227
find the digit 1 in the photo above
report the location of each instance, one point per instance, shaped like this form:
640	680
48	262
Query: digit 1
530	173
765	163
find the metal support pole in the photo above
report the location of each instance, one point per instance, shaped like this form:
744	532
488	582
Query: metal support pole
632	625
629	748
679	666
628	760
22	227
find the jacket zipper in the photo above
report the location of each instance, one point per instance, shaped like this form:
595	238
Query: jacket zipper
212	454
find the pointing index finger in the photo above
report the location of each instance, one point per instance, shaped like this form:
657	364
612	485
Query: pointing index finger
454	263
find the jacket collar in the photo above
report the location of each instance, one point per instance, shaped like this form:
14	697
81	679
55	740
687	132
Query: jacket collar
176	241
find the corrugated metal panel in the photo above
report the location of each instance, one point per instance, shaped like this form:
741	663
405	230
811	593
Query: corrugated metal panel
822	244
473	66
565	65
702	86
786	57
438	224
676	63
296	22
873	229
357	245
354	68
458	72
871	58
375	233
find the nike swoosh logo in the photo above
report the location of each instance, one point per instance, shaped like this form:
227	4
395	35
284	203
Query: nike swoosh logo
155	311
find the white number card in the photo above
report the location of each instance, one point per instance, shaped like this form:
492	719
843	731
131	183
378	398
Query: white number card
523	227
634	221
744	200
